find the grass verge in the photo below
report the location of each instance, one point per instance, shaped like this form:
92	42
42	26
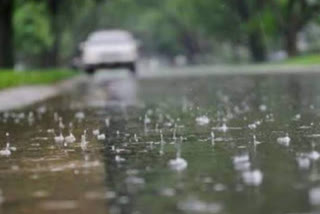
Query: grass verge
312	59
10	78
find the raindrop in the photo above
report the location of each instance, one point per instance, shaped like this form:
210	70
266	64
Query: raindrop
119	159
96	132
297	117
84	141
161	143
107	121
59	138
70	138
202	120
196	206
178	163
169	192
284	140
314	155
241	162
135	138
303	162
252	178
252	126
61	125
174	134
255	142
314	196
79	116
212	138
263	108
101	137
6	151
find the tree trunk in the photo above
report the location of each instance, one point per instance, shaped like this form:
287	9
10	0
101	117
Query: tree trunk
257	46
6	34
191	46
291	43
53	53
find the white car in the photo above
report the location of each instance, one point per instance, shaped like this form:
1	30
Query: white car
109	49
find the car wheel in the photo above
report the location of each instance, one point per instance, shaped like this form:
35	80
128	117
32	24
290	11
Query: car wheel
90	71
132	68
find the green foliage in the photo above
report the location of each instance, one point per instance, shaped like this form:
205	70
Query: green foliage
168	27
9	78
31	26
304	60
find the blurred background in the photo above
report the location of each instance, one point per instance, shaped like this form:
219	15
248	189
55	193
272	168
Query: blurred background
47	33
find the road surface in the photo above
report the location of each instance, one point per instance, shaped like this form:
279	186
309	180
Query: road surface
171	144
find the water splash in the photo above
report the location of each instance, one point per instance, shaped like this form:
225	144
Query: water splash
285	141
202	120
7	150
70	138
255	142
252	178
192	205
96	132
84	142
79	116
314	196
61	125
241	162
101	137
178	164
59	138
135	138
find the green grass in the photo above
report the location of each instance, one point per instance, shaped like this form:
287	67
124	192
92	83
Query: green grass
313	59
10	78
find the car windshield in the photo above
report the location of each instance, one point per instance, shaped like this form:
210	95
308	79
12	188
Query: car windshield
111	38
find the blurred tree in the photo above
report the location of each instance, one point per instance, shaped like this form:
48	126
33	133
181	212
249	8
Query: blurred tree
32	31
249	13
292	16
6	33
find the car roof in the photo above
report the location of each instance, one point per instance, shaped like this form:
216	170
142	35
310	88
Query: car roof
109	34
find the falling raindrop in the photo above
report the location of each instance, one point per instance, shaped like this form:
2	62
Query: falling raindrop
212	138
161	152
107	121
135	137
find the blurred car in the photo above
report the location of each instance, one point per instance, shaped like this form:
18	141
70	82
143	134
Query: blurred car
109	49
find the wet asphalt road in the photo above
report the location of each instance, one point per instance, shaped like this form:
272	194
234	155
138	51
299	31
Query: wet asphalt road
198	144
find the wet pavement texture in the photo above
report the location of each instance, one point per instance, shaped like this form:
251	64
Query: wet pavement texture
210	144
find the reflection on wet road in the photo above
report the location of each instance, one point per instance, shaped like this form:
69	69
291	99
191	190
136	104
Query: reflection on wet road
210	144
